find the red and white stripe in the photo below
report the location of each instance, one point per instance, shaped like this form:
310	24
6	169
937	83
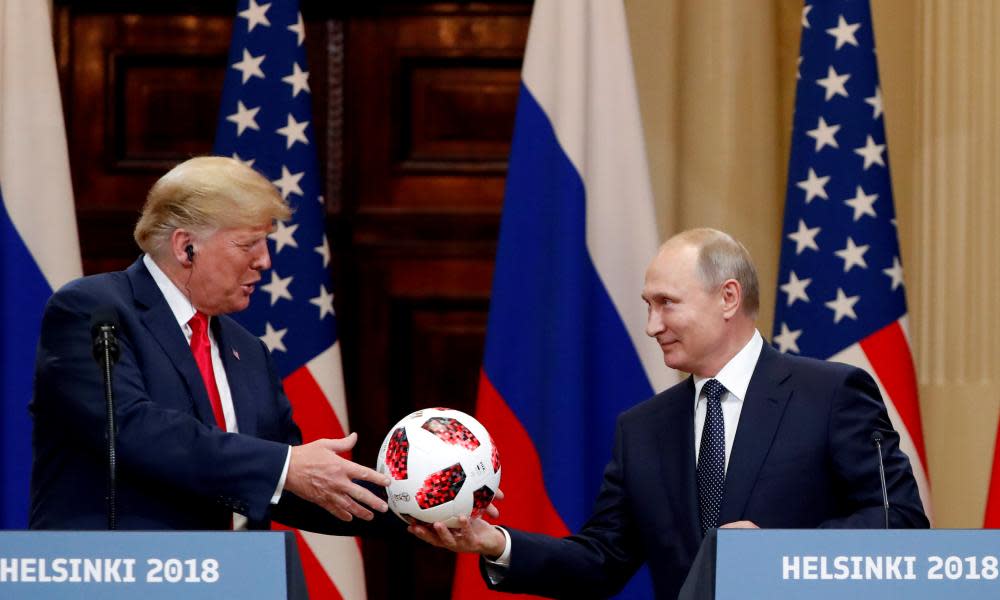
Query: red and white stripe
333	564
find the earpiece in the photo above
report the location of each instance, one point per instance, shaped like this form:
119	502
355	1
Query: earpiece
189	249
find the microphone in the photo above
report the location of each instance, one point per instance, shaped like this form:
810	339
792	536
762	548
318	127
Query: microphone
104	331
877	440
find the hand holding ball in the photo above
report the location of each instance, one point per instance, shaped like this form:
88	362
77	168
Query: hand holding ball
443	465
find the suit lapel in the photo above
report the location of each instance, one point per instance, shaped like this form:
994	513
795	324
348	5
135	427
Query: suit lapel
762	410
676	450
246	418
162	326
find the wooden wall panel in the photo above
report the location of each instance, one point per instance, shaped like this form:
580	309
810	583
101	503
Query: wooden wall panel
460	116
413	109
429	100
435	106
141	92
155	108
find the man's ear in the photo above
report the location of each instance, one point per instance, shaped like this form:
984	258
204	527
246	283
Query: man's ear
182	246
731	295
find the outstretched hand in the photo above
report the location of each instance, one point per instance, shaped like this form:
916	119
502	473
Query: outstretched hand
317	474
472	534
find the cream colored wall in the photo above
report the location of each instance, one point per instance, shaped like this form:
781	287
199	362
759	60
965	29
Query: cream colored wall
951	239
707	75
716	85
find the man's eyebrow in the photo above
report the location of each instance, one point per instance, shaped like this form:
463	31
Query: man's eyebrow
247	241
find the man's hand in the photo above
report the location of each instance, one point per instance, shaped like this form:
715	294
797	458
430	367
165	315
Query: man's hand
740	525
317	474
471	535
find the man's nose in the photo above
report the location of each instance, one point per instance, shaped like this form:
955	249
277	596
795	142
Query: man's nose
263	260
654	324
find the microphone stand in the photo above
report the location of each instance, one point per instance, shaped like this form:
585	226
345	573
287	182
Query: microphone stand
877	439
109	398
106	353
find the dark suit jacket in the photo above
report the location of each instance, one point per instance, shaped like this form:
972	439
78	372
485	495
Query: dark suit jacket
802	458
176	469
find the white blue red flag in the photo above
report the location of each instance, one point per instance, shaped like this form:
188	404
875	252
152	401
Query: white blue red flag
39	251
840	290
565	347
266	121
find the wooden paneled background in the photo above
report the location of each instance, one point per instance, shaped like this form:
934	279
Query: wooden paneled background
413	112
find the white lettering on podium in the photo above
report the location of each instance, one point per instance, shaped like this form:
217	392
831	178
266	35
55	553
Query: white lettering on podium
790	567
873	567
59	568
8	569
63	570
827	568
129	569
75	564
809	567
840	564
28	569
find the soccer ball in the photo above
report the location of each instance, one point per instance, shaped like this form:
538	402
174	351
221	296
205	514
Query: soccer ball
443	465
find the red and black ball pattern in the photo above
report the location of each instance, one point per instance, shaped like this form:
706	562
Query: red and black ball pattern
451	431
397	453
495	455
481	498
441	487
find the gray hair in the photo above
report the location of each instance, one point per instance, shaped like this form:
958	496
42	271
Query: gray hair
720	258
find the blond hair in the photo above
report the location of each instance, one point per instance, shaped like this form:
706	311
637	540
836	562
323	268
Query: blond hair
204	194
720	258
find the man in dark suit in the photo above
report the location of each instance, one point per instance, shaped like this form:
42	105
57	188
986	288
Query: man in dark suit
206	438
754	438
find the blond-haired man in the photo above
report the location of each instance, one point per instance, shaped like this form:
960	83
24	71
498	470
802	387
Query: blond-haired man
206	438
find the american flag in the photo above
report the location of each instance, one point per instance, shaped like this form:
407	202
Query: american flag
840	291
266	121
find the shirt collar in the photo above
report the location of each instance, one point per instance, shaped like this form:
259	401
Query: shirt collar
735	375
176	300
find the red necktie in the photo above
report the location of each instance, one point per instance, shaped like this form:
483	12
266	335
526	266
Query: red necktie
201	347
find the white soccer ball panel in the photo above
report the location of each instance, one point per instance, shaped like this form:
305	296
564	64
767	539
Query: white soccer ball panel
443	465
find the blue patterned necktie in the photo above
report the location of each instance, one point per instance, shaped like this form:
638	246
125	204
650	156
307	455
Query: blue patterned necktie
712	457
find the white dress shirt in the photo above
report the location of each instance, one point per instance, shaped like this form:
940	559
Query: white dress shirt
182	309
735	377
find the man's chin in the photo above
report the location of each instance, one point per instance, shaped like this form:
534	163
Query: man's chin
674	362
239	305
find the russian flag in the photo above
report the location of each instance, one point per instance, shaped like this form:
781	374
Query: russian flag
39	251
566	349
